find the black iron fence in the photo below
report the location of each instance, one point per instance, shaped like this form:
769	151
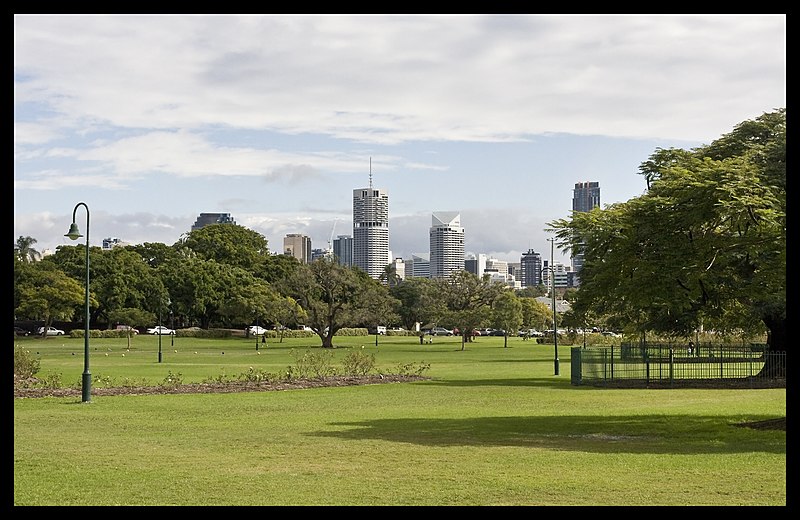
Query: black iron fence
646	365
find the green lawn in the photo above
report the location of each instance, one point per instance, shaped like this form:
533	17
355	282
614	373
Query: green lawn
493	426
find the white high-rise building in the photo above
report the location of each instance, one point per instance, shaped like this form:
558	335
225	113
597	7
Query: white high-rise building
399	268
475	264
446	244
371	229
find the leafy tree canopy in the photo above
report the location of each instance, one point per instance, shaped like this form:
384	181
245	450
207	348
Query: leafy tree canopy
705	246
229	244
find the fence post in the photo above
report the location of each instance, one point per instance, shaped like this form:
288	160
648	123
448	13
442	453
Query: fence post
612	362
671	365
577	374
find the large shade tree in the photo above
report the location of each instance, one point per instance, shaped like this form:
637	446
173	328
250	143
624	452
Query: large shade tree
466	301
705	246
333	296
415	295
43	292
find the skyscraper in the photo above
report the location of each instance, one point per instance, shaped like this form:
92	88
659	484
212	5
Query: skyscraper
298	246
206	219
343	249
446	244
531	269
371	229
585	197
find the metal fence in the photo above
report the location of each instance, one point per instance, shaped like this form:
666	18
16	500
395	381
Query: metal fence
659	365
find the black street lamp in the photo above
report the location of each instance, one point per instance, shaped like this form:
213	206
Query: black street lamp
74	234
555	322
172	325
256	334
159	328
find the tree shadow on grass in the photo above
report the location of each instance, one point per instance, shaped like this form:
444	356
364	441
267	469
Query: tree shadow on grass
656	434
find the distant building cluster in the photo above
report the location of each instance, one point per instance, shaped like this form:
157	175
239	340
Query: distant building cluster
368	246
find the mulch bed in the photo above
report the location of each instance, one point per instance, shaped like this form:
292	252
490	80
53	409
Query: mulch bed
26	390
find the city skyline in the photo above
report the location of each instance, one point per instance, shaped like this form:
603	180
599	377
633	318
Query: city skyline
151	120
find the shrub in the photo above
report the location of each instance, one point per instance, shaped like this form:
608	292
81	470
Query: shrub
172	380
51	381
358	363
317	364
407	369
25	364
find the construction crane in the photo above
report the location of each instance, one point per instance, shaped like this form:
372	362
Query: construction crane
330	240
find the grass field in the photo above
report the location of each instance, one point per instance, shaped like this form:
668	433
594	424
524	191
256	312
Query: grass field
492	426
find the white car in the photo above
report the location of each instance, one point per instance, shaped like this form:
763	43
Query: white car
255	329
51	331
160	330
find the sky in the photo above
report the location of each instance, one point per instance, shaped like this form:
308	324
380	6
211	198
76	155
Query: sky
150	120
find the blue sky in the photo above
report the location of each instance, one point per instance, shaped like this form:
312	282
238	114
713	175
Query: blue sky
152	120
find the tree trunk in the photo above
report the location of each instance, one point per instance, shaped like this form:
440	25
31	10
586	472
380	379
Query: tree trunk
775	366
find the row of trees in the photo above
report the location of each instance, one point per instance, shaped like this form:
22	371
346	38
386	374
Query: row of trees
223	275
704	247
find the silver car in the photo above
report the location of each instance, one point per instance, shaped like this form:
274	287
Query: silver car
51	331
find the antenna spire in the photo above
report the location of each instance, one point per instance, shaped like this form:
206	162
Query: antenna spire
370	173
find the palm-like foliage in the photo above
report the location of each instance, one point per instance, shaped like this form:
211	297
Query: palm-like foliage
23	249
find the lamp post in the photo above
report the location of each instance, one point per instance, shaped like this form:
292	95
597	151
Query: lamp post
172	325
159	328
555	322
256	334
74	234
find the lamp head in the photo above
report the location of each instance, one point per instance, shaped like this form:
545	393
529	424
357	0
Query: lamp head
74	233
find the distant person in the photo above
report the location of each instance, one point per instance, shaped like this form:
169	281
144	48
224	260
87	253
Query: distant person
691	348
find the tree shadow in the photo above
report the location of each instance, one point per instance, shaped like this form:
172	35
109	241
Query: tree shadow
656	434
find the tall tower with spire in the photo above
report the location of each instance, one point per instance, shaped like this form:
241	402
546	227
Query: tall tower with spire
371	228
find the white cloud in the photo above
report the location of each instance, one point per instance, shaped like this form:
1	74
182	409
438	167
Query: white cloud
281	113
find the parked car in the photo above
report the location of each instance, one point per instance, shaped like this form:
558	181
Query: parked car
484	332
380	330
126	328
611	334
497	332
160	330
51	331
255	329
19	331
439	331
